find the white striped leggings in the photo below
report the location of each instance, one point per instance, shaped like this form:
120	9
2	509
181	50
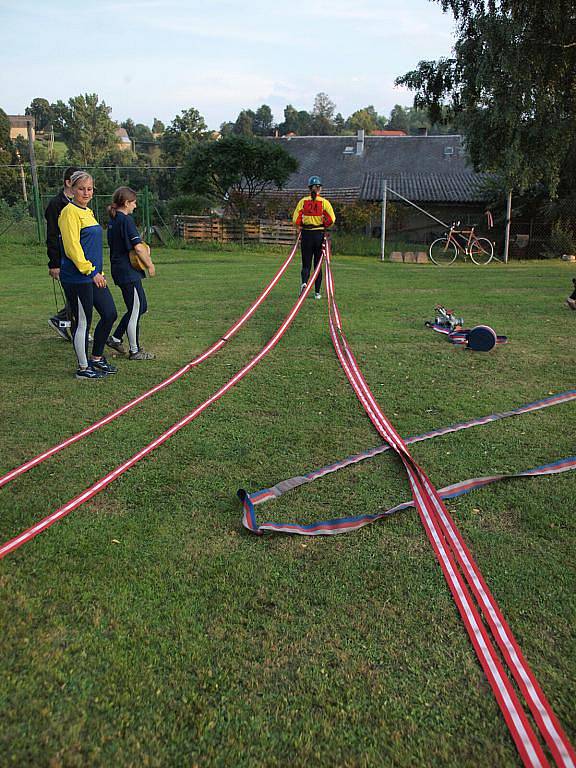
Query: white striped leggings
136	306
83	299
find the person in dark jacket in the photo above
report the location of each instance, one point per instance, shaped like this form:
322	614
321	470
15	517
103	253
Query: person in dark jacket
60	322
123	237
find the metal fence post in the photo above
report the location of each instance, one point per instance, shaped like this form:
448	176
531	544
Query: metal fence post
37	211
508	222
383	232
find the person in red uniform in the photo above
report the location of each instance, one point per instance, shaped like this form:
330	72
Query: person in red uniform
313	216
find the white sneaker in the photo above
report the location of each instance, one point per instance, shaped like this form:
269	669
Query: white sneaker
317	295
303	288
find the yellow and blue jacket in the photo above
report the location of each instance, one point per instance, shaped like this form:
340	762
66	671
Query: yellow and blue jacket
81	241
313	214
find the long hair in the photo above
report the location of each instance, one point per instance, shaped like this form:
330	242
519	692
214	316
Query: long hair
121	196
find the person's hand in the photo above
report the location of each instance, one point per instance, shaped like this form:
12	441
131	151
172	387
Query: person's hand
99	280
54	273
151	270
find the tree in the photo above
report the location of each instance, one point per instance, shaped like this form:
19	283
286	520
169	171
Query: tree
142	133
86	127
9	189
227	128
158	126
129	126
364	119
244	125
5	141
339	123
42	113
263	121
399	120
182	134
512	82
323	115
291	122
236	169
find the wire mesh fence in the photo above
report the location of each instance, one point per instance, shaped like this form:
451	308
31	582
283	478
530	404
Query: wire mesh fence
537	230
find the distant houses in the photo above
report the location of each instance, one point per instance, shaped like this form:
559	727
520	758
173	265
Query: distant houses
123	141
18	126
430	171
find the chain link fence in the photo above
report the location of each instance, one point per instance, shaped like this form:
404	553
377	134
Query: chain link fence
543	229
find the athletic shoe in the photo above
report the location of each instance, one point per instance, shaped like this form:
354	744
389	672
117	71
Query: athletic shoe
141	355
571	303
90	338
303	288
102	365
89	373
317	295
54	323
116	345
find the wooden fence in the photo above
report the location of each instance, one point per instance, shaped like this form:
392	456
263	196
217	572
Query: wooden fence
221	230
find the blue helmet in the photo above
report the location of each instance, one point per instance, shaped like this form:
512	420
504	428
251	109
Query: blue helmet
314	181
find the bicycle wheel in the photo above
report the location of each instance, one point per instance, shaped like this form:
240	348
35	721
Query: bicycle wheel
481	251
442	252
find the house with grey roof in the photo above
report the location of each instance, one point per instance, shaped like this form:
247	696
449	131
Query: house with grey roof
431	171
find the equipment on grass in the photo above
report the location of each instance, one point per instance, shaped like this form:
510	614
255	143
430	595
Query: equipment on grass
481	338
445	318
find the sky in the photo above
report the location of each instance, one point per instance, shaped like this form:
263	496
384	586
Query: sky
155	58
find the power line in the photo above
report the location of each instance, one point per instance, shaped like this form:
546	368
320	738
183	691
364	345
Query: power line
104	167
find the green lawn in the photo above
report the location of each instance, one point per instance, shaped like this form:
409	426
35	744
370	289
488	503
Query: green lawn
149	629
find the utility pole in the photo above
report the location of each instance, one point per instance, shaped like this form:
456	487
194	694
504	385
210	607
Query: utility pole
508	222
22	177
51	144
383	233
39	222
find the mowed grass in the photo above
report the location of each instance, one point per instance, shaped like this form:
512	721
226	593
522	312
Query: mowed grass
149	629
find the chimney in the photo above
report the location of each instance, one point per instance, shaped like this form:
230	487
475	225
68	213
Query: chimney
422	131
360	142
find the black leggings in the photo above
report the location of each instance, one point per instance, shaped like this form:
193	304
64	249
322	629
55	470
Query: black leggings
311	246
83	298
136	304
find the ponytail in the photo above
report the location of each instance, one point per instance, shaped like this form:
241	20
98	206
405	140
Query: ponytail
120	197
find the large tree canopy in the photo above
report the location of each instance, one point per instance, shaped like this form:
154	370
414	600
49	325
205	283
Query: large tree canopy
42	112
182	134
236	169
86	127
512	82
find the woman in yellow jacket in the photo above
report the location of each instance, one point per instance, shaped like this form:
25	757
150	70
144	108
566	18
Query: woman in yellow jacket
313	216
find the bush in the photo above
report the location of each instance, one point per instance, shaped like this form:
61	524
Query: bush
367	217
188	205
562	240
15	214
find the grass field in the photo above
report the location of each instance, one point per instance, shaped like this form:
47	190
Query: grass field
149	629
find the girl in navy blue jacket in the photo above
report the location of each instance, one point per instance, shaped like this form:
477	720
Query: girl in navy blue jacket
123	237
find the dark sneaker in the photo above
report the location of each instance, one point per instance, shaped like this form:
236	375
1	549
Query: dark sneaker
102	366
89	373
54	323
142	355
115	345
